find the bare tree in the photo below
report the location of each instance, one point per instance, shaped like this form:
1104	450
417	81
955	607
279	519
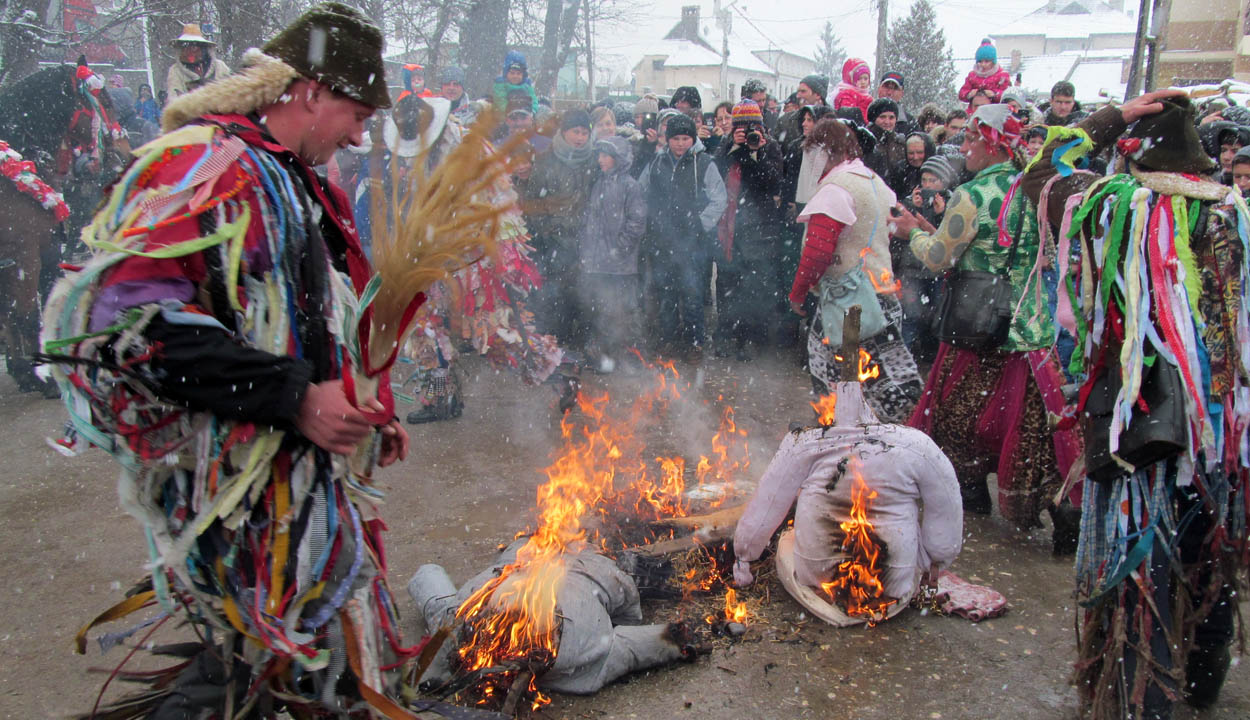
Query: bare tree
558	31
483	43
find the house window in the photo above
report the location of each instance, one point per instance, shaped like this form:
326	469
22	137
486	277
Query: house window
657	65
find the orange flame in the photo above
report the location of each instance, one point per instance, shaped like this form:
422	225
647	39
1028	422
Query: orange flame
887	283
868	369
857	583
735	611
601	470
826	409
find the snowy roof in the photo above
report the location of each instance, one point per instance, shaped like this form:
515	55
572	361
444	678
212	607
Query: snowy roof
1062	25
683	53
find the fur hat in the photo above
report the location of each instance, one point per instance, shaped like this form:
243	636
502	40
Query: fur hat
747	111
1167	141
337	45
881	105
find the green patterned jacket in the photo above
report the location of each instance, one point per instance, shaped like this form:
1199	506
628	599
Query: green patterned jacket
968	240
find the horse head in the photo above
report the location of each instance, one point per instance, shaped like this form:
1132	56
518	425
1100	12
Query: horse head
36	110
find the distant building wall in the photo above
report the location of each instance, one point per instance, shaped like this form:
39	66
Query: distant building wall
1204	42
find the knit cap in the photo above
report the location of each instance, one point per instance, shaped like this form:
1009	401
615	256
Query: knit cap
647	105
987	51
575	118
747	111
680	125
941	168
818	84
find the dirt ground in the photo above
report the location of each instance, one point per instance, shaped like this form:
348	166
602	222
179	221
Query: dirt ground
69	552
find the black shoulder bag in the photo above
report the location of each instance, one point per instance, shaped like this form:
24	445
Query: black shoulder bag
974	311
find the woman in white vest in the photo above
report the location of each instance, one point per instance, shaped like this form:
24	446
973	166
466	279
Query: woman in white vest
846	261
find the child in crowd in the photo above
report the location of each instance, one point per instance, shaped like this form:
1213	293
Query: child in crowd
515	79
1241	171
853	90
685	198
988	76
616	220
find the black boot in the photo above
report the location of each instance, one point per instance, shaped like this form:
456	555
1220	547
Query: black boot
1204	675
1067	520
976	495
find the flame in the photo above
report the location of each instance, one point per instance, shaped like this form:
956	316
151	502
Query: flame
602	470
735	611
887	283
857	583
868	370
826	409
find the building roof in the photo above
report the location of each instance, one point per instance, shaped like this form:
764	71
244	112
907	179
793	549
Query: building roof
683	53
1071	21
1095	73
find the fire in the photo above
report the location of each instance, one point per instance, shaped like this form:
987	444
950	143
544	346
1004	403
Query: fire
887	283
868	370
735	611
826	409
856	586
602	470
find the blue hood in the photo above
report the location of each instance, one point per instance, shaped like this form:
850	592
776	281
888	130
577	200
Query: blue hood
514	57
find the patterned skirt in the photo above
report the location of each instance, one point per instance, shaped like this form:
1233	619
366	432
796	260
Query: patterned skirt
893	393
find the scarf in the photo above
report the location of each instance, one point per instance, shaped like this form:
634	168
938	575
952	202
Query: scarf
570	155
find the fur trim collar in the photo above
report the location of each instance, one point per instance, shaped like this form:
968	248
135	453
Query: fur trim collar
262	80
1176	184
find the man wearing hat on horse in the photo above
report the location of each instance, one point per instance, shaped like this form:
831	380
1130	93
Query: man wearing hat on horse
196	64
204	347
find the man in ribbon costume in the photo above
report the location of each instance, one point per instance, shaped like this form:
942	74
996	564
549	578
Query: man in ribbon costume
209	345
1160	299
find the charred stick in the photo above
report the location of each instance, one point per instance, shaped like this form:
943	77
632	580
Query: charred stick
515	692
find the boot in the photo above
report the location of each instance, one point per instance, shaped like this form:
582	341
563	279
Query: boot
1066	518
1204	675
976	495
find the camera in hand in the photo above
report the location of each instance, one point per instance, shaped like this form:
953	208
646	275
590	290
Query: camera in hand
650	121
926	196
754	138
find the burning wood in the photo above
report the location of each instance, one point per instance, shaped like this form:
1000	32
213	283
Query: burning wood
603	488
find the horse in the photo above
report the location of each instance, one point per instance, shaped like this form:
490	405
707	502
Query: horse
46	117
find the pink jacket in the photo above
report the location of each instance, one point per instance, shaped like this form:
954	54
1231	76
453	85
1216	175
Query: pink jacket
996	83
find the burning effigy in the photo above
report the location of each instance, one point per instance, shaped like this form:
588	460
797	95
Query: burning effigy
861	542
559	609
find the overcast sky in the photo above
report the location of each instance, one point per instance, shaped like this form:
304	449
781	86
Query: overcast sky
795	25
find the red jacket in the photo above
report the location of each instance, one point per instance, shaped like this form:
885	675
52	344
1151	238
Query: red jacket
995	84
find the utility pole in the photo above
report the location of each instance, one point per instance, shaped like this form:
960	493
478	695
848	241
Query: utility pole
1158	39
883	18
724	21
1133	88
590	55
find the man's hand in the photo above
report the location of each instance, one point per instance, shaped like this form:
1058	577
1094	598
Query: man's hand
1147	104
704	132
904	223
329	421
394	444
797	309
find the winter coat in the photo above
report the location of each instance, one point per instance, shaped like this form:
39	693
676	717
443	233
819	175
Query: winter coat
685	199
149	110
904	177
995	83
180	80
1074	117
749	231
851	96
616	216
503	87
888	153
555	204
